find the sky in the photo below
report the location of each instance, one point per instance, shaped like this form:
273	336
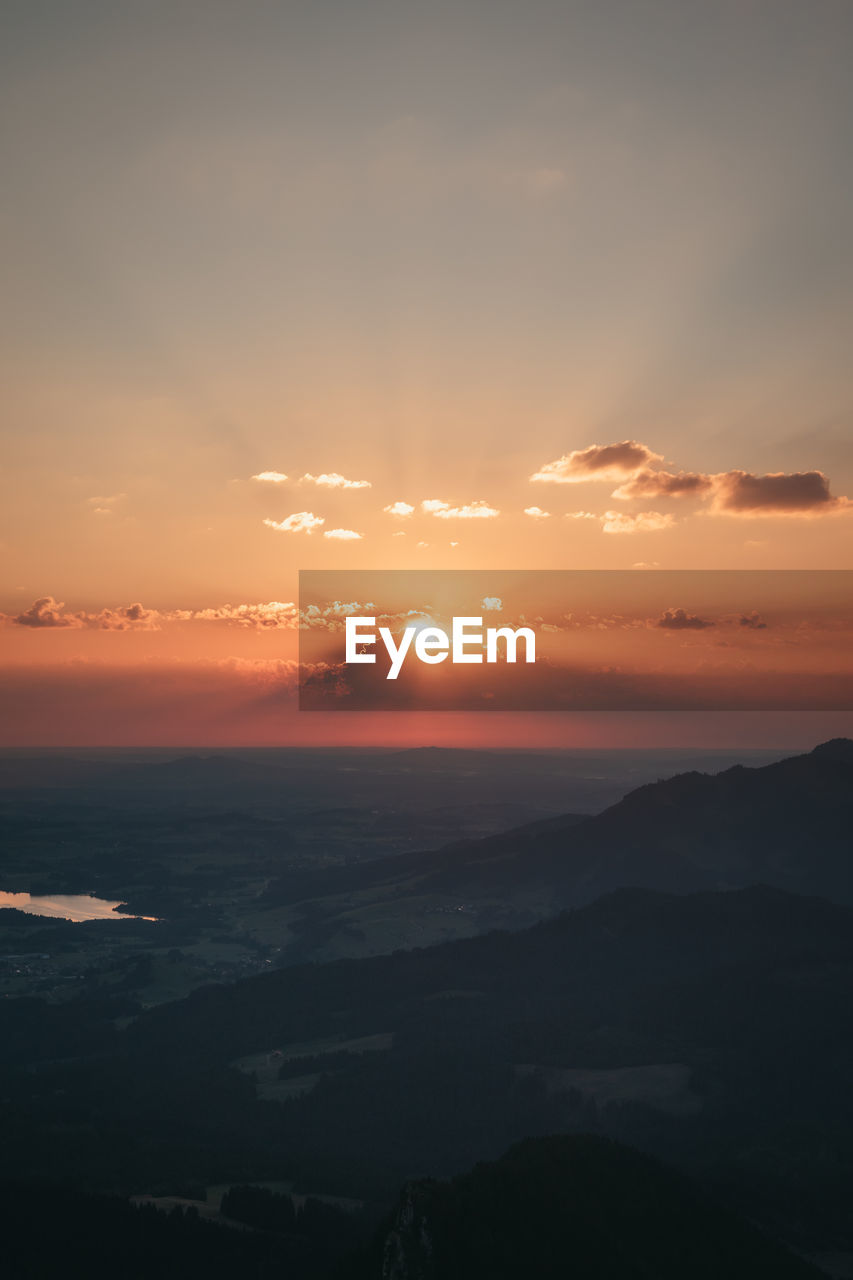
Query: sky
395	286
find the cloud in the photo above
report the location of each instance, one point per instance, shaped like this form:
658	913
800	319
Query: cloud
276	613
103	505
334	480
135	617
679	620
299	522
740	493
491	604
271	477
536	513
46	613
400	509
472	511
734	492
273	614
665	484
800	493
581	515
598	462
752	620
343	535
330	617
644	522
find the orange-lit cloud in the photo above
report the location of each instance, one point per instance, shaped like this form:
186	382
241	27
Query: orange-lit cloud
343	535
329	617
643	522
598	462
478	510
536	513
734	492
104	505
276	613
665	484
740	492
334	480
802	493
298	522
46	613
134	616
399	509
271	477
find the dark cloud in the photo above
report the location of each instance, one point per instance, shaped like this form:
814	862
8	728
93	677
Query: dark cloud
797	493
752	620
680	620
665	484
134	616
598	462
46	612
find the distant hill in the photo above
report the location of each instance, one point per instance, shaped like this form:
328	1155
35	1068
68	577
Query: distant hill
570	1206
788	824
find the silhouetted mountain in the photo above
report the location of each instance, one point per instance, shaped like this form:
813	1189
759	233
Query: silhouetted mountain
570	1206
787	824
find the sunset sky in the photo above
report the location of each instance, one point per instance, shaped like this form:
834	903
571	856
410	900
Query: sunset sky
387	286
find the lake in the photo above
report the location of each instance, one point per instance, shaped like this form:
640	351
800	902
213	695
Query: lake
67	906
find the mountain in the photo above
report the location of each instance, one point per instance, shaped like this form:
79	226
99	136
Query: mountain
787	824
570	1206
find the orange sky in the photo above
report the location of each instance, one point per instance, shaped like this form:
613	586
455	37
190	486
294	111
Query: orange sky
519	287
